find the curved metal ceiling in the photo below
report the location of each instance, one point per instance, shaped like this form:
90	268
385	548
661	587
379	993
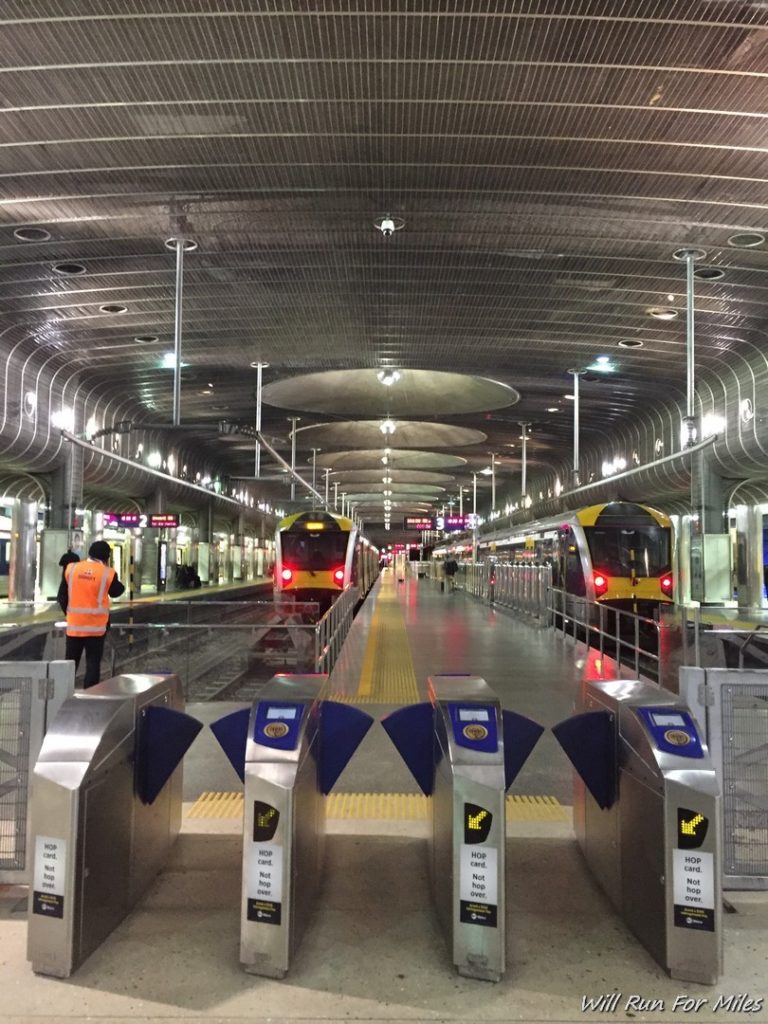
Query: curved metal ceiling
545	162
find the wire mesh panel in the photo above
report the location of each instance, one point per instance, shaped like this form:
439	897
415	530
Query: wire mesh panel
15	729
745	779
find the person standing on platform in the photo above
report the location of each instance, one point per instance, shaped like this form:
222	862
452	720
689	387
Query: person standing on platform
84	598
450	568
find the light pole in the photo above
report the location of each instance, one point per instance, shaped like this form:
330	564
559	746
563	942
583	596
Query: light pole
689	431
524	482
576	375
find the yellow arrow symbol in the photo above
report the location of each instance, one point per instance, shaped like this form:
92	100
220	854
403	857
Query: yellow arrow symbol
688	828
473	820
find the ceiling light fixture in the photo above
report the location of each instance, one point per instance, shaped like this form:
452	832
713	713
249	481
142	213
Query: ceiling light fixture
146	339
32	234
746	239
663	313
388	377
388	426
113	308
603	364
709	273
552	408
630	343
68	269
388	225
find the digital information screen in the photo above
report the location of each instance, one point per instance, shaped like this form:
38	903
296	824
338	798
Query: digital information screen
473	715
453	523
665	721
284	713
419	523
131	520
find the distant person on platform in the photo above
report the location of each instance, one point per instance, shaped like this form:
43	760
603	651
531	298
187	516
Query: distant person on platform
450	568
84	598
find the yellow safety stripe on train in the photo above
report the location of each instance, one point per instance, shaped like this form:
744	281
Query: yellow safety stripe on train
589	516
387	676
382	807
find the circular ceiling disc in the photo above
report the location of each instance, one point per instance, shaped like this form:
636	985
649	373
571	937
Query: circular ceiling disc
408	434
415	393
398	491
371	459
398	476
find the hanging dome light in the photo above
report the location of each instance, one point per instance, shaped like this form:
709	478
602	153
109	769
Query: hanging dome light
388	377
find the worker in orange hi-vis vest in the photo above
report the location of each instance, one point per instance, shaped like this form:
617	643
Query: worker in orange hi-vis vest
84	596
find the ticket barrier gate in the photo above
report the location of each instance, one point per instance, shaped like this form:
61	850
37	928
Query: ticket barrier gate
646	814
106	809
465	751
288	749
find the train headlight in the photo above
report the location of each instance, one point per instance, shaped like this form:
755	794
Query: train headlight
286	575
601	583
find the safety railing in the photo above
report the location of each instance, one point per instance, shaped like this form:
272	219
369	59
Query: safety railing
520	587
631	643
724	637
331	631
220	650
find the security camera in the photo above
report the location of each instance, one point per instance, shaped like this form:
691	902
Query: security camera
387	227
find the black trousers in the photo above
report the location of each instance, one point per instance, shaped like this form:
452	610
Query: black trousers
94	648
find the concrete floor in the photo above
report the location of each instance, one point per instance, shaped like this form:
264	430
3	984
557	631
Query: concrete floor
372	950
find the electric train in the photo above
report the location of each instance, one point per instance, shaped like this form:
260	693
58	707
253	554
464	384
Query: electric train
617	553
318	555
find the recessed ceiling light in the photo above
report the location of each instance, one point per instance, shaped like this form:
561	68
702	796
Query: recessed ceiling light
746	239
113	307
630	343
709	273
146	339
68	269
32	234
188	244
553	408
571	398
663	312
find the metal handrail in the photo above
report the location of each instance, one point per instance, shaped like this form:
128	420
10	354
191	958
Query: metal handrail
596	621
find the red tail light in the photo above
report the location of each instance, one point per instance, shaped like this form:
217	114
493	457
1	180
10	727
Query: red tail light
666	585
286	575
338	576
601	583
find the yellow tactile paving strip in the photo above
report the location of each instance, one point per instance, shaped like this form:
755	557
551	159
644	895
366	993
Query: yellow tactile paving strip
381	806
387	675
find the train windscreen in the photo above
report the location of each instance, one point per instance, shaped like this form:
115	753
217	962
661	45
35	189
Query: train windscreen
314	552
616	551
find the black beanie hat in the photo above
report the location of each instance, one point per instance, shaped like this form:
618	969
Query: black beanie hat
67	557
101	550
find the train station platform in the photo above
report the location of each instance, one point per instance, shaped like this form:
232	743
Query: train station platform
48	611
373	950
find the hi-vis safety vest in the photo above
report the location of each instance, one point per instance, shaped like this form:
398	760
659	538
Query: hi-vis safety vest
88	601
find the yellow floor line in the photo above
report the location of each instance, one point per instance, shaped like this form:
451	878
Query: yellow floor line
382	806
388	676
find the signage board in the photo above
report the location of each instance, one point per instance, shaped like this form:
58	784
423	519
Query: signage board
453	524
419	523
130	520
